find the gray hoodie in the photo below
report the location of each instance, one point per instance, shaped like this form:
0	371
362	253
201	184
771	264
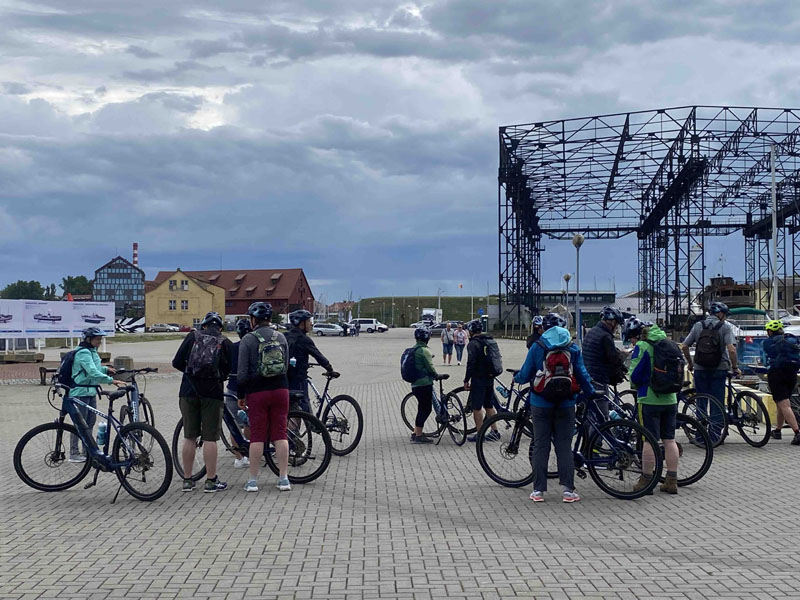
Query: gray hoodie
248	379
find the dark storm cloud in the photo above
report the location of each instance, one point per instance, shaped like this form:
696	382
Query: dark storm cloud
15	88
140	52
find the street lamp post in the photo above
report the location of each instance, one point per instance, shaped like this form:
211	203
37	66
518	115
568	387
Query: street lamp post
567	277
577	241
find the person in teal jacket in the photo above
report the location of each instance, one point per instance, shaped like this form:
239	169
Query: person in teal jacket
657	412
86	372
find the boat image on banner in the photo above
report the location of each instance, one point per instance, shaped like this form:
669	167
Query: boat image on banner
93	318
6	318
48	318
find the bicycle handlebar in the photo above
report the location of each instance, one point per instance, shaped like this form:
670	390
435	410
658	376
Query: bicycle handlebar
137	371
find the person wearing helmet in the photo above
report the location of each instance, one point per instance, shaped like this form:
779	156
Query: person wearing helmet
266	397
422	388
538	329
301	346
243	327
604	362
460	339
87	371
781	354
551	320
714	356
479	380
204	357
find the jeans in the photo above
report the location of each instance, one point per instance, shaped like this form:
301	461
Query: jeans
459	351
88	416
711	381
555	425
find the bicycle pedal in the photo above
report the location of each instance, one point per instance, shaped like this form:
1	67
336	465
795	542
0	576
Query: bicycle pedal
581	473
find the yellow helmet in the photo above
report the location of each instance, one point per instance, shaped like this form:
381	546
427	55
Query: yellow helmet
774	326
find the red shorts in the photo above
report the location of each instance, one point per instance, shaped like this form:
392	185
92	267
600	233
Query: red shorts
268	412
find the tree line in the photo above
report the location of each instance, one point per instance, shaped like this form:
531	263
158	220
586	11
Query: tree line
34	290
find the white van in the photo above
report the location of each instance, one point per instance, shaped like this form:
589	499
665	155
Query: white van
369	325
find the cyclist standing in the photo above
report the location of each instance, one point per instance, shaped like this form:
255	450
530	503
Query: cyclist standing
479	381
243	327
781	353
422	388
301	346
87	372
553	420
204	357
603	361
264	389
537	332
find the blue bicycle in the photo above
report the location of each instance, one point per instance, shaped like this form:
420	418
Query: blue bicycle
139	456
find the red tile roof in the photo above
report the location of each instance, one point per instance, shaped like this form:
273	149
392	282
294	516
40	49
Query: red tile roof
281	283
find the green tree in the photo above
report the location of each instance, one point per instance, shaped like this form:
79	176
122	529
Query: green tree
76	285
23	290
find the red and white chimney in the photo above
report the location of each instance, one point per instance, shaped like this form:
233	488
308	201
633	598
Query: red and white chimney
135	254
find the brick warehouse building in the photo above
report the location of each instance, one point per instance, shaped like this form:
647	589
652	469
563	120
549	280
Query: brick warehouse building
285	289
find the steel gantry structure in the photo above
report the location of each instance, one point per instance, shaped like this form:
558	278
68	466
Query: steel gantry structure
670	176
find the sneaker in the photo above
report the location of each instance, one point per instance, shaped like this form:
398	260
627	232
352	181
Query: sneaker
775	434
492	436
214	485
572	496
188	485
459	363
473	438
422	439
284	485
537	496
77	458
796	439
241	463
251	485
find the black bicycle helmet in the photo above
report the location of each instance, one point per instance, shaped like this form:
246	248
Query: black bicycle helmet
474	327
612	313
261	311
211	318
91	332
719	307
298	316
551	320
422	334
243	327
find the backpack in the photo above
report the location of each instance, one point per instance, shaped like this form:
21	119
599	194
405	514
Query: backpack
787	349
64	373
492	357
556	379
708	349
408	365
271	355
668	363
205	356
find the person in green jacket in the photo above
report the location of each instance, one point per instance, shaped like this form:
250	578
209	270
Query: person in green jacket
87	372
657	412
422	388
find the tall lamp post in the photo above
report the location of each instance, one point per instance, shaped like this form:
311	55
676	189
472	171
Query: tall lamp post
577	241
567	277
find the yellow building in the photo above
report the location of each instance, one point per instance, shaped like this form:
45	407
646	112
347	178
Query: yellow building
181	299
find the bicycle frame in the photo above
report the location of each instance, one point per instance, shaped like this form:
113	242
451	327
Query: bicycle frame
102	458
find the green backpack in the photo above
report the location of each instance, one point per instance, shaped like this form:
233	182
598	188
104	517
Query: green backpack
271	356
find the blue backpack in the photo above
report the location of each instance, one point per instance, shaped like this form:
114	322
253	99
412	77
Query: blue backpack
408	365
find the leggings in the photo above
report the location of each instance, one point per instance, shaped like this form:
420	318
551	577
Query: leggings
424	396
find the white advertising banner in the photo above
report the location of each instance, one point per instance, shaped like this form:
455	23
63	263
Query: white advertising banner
53	319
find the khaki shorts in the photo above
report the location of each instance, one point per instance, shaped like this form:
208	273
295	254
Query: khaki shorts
202	418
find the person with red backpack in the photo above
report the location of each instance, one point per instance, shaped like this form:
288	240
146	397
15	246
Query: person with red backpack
204	357
555	371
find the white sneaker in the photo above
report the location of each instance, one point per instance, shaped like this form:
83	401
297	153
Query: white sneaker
241	463
251	486
571	496
537	496
459	363
77	458
284	485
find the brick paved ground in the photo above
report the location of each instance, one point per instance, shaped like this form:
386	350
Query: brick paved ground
394	520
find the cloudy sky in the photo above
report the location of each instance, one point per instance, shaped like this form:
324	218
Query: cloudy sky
354	138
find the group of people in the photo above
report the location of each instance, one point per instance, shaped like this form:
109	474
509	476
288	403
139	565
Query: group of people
454	338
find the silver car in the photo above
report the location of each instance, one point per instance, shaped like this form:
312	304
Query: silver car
327	329
163	327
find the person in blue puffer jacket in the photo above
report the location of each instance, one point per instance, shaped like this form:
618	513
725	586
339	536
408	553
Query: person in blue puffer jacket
551	421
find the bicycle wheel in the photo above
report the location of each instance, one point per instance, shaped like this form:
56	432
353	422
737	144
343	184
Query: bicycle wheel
148	471
408	410
463	398
345	423
457	424
199	469
752	419
41	458
709	412
310	448
616	448
506	461
695	448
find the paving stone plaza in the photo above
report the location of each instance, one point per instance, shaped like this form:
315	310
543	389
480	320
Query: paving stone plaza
394	520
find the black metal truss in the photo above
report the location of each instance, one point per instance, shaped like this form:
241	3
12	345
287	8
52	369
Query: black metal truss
672	176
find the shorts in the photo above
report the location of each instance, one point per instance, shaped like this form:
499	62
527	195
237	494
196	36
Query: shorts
447	348
481	394
202	417
659	419
781	383
268	413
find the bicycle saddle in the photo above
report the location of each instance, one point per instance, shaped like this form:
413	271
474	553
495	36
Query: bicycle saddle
443	376
513	371
296	395
331	374
119	393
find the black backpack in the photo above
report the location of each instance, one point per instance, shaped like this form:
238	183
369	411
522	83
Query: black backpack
492	357
64	374
205	356
668	364
408	365
708	349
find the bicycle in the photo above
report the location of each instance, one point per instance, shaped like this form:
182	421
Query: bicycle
611	452
310	446
341	415
520	396
40	457
446	415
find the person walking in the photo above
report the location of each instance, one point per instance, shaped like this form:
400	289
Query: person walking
479	380
538	329
301	346
603	361
714	357
781	354
263	389
553	418
448	338
204	357
240	461
422	388
460	339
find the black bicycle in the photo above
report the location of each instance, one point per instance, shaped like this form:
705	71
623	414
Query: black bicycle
341	415
511	398
447	414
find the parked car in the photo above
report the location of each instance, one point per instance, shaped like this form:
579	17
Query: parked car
369	325
327	329
437	329
163	328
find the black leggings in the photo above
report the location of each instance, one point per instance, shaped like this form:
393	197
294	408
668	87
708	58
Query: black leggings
424	396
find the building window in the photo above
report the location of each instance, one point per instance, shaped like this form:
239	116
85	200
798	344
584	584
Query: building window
173	283
172	304
196	322
184	284
184	305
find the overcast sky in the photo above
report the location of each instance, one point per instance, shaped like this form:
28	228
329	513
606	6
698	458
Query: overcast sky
356	139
